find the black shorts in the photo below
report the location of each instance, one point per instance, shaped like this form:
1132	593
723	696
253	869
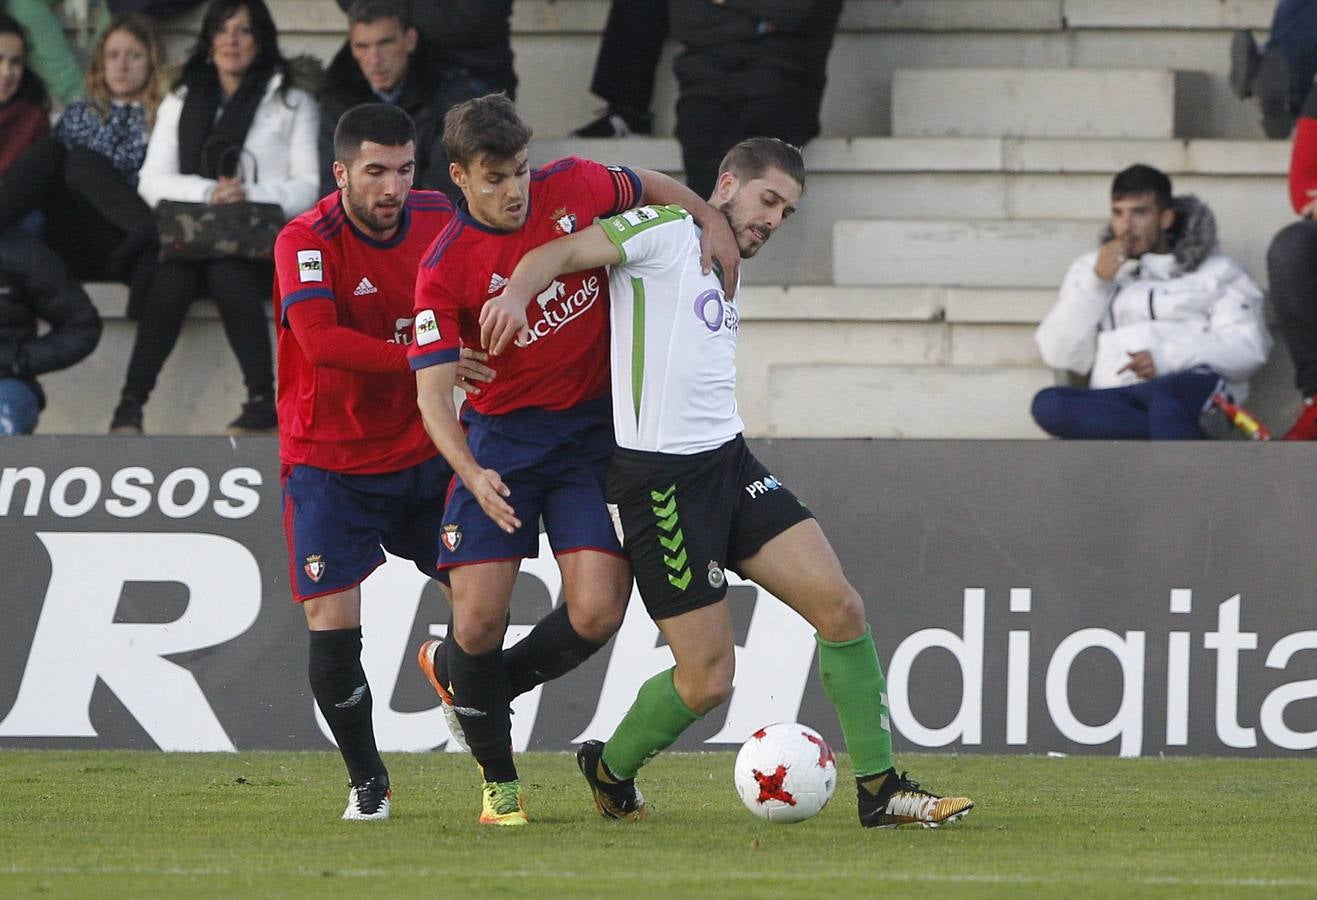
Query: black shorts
684	519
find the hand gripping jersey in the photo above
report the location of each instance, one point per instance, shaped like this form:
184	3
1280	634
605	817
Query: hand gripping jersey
332	418
566	361
673	337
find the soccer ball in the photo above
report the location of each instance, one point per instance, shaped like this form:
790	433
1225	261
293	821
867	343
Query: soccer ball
785	772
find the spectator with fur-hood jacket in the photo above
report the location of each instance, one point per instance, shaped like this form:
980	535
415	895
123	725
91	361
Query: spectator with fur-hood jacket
1157	315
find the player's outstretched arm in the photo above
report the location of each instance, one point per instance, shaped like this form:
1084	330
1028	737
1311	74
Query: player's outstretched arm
717	242
434	396
503	318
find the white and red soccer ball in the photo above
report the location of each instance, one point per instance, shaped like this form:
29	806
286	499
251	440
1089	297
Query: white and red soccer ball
785	772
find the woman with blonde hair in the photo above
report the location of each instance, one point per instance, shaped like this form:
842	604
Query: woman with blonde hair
84	178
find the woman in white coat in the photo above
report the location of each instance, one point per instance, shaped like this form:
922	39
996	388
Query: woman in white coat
234	129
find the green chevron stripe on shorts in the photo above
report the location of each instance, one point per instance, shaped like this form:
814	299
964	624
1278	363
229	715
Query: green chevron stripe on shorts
670	536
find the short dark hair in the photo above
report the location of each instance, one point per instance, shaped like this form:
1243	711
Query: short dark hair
754	156
483	127
366	11
379	123
1142	179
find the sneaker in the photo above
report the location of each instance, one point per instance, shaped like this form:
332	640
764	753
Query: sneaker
1305	426
1244	58
1272	87
1222	418
369	801
428	659
900	801
502	803
257	417
614	798
127	418
616	124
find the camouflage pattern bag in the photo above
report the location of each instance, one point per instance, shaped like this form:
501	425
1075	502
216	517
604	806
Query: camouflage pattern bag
195	232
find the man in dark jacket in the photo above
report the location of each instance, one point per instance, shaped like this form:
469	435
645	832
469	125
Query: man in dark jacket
747	68
460	50
35	287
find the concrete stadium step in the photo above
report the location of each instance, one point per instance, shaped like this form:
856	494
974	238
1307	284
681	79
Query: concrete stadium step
1034	102
1003	253
556	41
988	179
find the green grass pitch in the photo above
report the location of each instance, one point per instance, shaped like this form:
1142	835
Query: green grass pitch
136	824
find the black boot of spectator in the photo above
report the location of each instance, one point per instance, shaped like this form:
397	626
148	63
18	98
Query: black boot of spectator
127	418
616	123
257	417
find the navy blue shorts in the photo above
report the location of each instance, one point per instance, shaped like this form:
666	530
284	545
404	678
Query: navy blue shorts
554	464
338	526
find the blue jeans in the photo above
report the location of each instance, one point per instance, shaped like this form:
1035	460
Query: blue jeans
1294	33
18	407
1165	408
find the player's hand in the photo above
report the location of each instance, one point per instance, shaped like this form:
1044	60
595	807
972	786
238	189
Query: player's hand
1111	256
503	320
470	372
490	491
1141	364
718	243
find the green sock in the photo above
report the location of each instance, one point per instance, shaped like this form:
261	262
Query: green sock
656	719
853	681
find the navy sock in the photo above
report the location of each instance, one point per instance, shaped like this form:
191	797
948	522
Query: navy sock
338	683
553	648
481	698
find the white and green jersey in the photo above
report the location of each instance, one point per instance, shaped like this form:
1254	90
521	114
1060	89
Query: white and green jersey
673	337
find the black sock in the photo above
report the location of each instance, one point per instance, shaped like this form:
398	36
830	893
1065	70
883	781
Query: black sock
339	685
481	698
552	648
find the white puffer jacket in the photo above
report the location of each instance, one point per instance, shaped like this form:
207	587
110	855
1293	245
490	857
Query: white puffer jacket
282	139
1190	307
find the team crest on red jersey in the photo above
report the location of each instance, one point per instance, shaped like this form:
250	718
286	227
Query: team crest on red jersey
451	536
314	568
563	221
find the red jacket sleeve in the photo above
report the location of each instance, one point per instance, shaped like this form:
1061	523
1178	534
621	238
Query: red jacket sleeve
326	343
1303	155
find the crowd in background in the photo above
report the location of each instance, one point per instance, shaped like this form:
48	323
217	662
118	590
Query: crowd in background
169	185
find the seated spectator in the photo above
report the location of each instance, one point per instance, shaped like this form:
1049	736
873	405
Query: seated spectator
35	289
1292	272
1158	319
84	179
23	99
1282	72
234	104
756	69
385	61
472	41
624	68
50	55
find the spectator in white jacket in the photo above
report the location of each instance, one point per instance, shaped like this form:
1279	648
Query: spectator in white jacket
1158	319
234	129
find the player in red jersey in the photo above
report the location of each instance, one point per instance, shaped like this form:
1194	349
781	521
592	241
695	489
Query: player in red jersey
539	437
358	469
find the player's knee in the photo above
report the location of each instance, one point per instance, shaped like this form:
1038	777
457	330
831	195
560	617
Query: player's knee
842	618
710	686
479	633
598	622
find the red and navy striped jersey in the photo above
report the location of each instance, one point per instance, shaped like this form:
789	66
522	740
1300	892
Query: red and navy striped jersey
566	361
338	419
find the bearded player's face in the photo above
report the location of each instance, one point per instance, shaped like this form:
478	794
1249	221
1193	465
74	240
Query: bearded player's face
756	207
376	185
